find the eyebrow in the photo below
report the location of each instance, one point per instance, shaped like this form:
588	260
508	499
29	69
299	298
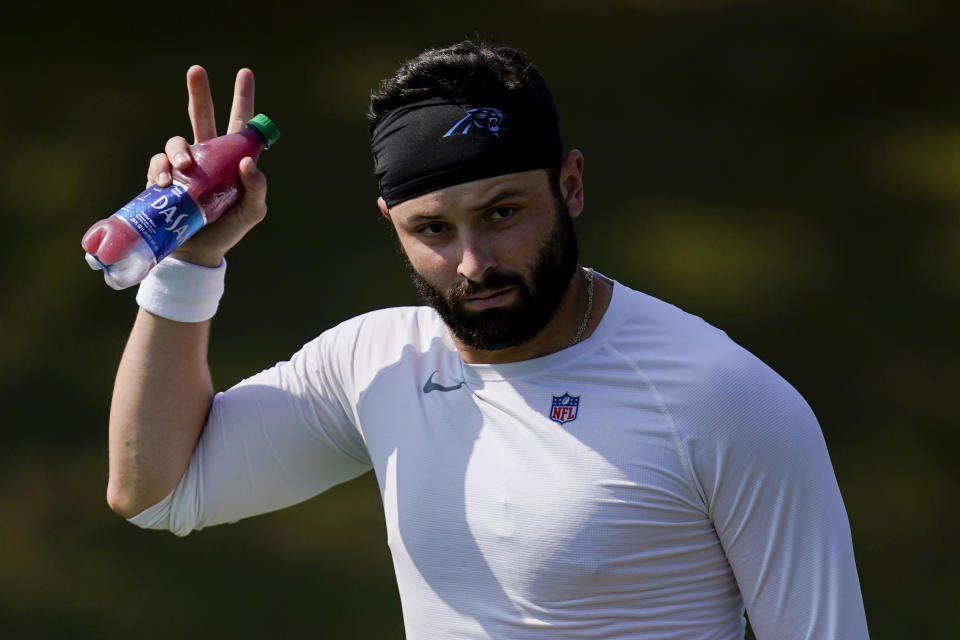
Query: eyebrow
503	195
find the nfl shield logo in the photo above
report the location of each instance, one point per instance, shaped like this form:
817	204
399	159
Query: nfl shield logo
564	408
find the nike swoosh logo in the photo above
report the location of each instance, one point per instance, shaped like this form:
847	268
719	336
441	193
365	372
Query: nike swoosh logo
430	385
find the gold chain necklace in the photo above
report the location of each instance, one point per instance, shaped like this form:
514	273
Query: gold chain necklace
586	315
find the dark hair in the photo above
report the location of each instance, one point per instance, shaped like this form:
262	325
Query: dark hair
465	72
468	72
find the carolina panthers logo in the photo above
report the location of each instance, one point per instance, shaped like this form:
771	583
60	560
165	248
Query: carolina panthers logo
484	121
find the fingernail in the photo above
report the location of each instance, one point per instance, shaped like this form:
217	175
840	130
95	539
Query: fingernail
181	159
163	178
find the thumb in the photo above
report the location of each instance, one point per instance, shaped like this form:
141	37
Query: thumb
253	207
251	177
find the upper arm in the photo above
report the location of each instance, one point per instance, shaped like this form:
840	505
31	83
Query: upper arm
761	459
275	439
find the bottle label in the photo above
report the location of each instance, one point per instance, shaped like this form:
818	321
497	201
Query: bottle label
164	216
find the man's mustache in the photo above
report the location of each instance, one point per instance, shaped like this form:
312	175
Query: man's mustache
491	282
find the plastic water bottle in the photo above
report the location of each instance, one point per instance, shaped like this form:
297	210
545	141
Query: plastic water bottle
128	244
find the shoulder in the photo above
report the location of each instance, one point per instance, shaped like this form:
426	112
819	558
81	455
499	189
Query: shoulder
736	420
344	358
392	324
676	349
733	414
377	338
706	380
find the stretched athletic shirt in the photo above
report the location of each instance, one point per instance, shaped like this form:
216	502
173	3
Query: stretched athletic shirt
650	482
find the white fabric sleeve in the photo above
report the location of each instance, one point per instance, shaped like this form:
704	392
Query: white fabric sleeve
766	476
275	439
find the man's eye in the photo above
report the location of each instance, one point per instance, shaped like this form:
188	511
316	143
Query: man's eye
503	213
432	229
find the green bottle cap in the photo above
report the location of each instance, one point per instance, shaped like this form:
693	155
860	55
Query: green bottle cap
265	125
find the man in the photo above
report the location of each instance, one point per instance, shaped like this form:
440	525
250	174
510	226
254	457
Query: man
558	456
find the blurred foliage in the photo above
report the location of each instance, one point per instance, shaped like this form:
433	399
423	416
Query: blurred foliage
786	170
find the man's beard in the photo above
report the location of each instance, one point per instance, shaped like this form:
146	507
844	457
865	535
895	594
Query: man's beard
508	326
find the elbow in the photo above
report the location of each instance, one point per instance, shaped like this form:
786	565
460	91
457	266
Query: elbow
128	504
123	501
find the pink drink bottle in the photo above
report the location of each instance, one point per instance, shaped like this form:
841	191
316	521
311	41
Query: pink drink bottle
128	244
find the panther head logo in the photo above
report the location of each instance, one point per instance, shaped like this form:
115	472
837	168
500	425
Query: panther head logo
484	121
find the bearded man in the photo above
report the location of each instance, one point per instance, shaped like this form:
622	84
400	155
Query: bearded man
558	456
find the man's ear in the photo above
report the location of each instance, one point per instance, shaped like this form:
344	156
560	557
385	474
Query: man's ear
571	182
383	208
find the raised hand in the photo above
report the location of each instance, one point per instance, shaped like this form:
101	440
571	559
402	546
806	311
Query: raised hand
208	246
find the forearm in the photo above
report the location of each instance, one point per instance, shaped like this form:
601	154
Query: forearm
161	399
163	391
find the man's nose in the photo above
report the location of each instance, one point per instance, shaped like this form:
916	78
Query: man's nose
475	258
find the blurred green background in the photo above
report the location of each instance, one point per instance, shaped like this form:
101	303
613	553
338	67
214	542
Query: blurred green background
786	170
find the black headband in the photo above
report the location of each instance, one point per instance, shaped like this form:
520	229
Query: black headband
437	143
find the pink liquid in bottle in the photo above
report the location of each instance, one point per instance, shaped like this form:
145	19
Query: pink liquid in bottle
128	244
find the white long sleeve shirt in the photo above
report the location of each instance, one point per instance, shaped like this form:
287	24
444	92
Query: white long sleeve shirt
650	482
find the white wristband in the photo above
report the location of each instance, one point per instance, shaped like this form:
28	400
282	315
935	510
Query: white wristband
181	291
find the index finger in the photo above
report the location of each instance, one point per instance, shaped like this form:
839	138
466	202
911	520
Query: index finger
200	104
242	109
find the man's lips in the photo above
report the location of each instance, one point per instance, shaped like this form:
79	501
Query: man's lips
487	299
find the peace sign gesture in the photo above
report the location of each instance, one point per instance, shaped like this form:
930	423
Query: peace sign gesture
200	103
208	246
